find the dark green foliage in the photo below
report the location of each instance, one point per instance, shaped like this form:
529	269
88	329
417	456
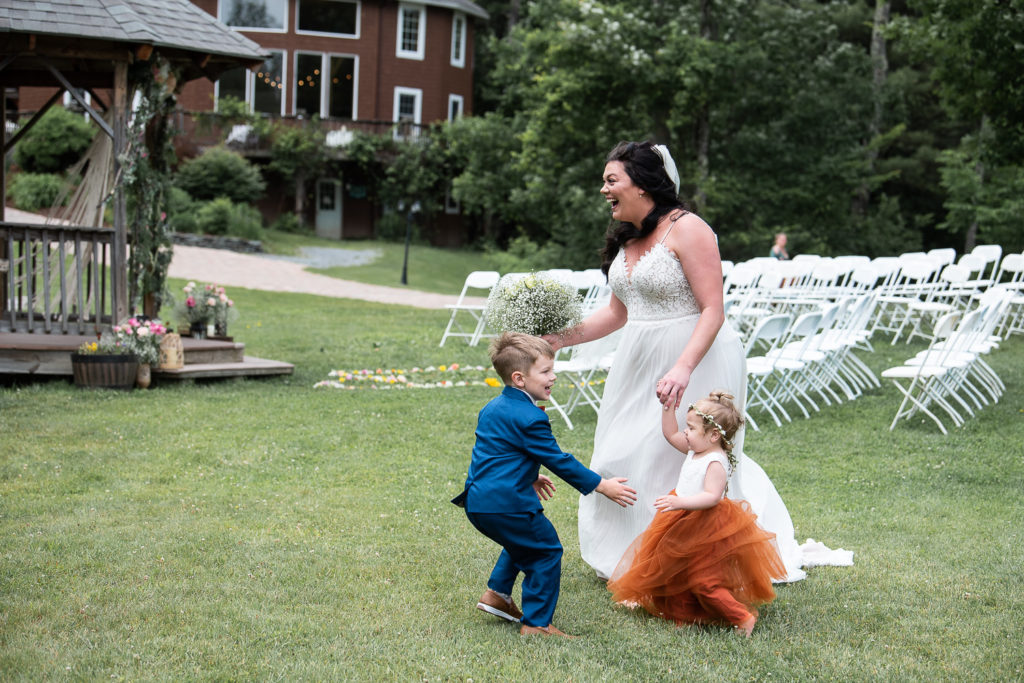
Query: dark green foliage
34	191
222	217
55	142
181	211
288	222
220	173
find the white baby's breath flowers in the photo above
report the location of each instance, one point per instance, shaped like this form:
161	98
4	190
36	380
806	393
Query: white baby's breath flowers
535	304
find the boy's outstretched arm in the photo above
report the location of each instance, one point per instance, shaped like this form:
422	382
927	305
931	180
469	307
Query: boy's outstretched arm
615	489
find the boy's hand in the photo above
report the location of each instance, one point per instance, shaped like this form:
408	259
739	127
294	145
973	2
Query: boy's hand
544	487
668	503
615	489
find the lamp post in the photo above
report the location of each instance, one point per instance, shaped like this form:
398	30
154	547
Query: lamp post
409	218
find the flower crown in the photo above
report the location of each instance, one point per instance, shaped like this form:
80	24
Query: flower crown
714	423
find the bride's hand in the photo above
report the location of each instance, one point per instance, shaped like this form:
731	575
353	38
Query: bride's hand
554	339
671	387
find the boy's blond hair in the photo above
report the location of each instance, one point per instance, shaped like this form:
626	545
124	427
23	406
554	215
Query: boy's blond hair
514	351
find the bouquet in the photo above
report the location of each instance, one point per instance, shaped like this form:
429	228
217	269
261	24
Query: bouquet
198	305
141	337
535	304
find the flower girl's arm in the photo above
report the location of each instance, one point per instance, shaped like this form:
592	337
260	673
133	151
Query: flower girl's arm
602	322
670	428
714	487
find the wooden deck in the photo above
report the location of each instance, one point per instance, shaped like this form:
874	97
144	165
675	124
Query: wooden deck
50	354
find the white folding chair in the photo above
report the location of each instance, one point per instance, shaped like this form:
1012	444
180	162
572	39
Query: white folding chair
1011	278
990	254
477	280
584	363
765	338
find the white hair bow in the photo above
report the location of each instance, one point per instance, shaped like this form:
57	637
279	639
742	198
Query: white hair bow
669	164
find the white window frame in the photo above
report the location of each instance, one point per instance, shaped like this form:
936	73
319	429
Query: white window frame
452	98
417	119
359	23
458	40
250	86
421	38
325	68
262	29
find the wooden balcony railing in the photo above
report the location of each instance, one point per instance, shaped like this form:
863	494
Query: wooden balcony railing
59	279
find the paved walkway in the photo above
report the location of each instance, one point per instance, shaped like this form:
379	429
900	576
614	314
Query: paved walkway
253	271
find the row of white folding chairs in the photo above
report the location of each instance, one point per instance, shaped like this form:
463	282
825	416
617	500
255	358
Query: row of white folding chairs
467	317
795	358
951	374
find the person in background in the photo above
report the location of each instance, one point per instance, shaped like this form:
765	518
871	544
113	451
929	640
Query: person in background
779	248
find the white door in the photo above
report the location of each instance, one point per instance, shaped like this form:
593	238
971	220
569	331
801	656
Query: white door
328	208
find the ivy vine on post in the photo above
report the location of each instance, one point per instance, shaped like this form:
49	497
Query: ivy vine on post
146	167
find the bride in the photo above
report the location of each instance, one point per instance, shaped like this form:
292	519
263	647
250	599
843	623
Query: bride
664	268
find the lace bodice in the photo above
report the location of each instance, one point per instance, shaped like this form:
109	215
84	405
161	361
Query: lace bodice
691	476
657	289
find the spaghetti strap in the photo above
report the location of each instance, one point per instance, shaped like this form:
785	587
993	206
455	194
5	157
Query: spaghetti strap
670	226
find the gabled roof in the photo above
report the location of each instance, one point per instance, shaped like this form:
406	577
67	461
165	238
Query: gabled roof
460	6
175	24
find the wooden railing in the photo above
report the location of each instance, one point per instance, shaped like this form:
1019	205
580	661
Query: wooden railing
58	279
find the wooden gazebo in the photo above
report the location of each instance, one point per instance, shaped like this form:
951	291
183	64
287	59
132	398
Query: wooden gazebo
71	280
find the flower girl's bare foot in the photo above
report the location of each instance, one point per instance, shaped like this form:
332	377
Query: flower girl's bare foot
747	627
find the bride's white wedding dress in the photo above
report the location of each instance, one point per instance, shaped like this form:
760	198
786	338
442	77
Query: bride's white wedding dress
628	441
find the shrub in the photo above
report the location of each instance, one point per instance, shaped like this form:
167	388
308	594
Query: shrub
221	173
223	217
34	191
55	142
182	211
289	222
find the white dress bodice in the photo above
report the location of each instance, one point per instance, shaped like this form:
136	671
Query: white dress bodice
657	289
691	476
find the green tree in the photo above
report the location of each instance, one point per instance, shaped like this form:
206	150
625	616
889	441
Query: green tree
298	155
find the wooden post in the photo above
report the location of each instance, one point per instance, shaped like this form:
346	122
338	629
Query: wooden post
3	199
119	257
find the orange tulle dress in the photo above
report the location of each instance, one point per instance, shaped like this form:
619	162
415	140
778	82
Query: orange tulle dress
700	566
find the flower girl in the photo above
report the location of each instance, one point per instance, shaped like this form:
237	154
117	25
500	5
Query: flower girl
703	559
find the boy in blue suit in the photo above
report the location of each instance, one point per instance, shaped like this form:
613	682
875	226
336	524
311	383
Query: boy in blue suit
504	486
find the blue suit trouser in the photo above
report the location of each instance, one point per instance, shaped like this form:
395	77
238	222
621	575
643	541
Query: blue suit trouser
529	545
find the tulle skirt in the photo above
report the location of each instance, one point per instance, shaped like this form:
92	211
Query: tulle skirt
686	555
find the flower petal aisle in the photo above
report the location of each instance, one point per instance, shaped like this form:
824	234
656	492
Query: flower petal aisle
440	377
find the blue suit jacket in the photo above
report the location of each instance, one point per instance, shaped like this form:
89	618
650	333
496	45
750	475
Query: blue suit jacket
513	439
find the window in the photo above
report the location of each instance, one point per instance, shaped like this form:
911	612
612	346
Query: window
261	88
412	30
454	107
458	39
337	17
408	112
253	14
333	95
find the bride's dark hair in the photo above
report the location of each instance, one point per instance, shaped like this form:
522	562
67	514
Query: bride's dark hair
647	171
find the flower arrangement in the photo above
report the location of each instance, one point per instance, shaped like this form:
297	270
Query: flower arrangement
106	345
206	304
142	337
535	304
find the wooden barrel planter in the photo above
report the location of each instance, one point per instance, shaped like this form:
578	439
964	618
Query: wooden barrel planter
116	371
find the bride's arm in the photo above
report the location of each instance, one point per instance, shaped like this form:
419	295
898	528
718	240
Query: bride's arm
694	244
602	322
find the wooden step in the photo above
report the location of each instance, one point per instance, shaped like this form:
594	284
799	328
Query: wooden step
249	366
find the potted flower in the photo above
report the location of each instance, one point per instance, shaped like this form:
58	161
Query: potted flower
196	309
142	337
223	309
105	363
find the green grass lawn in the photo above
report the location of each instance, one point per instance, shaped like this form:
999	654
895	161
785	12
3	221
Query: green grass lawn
430	269
264	529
